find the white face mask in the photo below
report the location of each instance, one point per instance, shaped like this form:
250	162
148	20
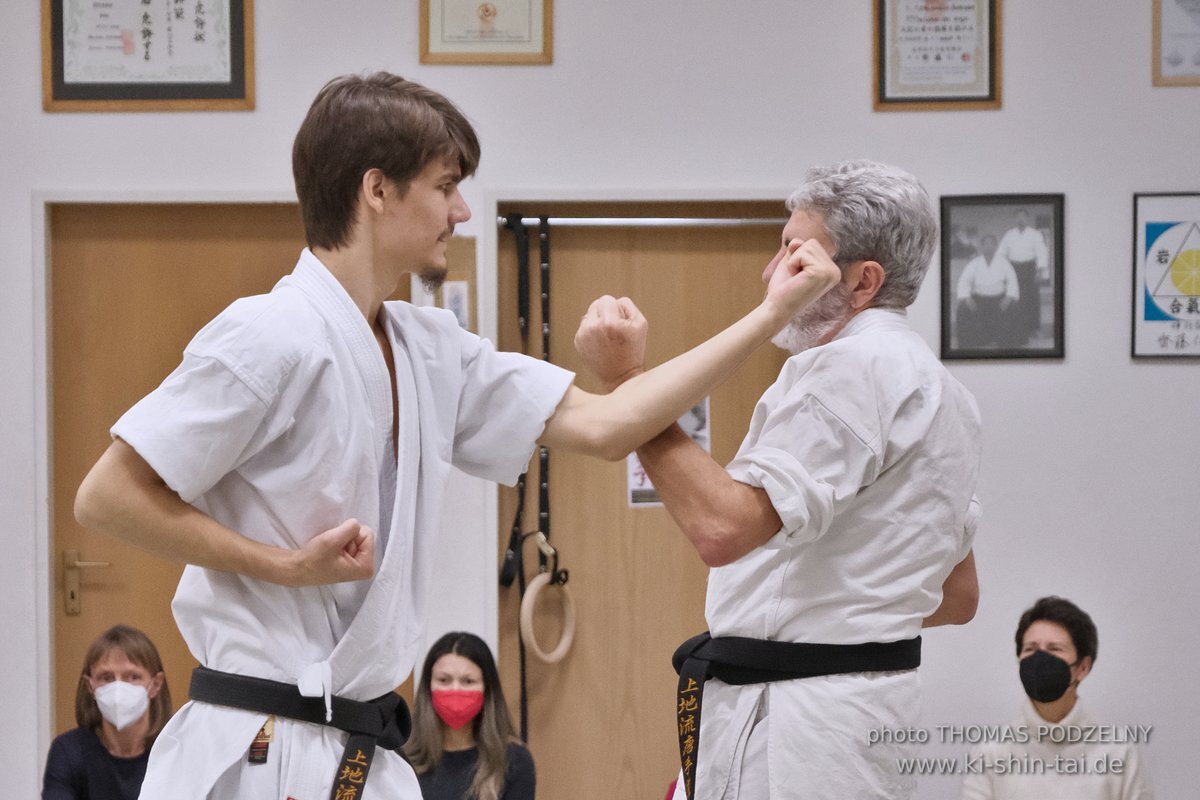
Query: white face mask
122	703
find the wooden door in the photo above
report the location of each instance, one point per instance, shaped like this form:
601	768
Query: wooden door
602	720
130	284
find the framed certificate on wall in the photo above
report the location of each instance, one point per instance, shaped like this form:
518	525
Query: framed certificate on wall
147	55
486	31
937	54
1176	43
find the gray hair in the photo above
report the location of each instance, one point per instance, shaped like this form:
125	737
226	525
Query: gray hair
874	212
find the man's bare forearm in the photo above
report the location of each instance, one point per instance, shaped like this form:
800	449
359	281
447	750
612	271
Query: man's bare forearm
723	518
612	425
123	497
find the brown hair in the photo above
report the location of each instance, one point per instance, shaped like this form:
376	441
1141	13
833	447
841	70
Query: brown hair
492	727
1070	617
138	648
358	123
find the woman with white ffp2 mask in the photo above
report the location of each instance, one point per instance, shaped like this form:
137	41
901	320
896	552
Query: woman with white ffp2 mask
121	704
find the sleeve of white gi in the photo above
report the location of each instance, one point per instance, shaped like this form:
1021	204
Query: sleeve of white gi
505	402
211	414
811	455
970	526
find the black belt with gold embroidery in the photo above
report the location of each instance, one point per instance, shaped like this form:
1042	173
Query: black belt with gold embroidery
383	722
739	661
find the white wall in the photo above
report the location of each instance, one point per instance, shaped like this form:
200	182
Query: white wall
1089	482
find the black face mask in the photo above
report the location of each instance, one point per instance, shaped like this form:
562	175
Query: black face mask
1045	677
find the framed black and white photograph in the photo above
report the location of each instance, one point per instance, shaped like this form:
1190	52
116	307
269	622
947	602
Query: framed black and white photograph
1002	276
1166	275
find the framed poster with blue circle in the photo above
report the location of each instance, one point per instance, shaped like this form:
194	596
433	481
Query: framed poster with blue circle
1166	275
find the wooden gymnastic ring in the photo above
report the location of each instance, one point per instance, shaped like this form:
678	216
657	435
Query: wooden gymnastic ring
527	604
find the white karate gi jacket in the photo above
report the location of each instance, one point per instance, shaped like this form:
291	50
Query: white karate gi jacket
869	451
276	424
1040	768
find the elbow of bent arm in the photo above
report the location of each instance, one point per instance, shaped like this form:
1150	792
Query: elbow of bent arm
613	448
605	443
715	556
732	523
715	546
98	500
89	504
590	434
970	605
963	604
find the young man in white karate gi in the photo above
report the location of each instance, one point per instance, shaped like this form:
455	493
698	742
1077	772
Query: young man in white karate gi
844	523
297	458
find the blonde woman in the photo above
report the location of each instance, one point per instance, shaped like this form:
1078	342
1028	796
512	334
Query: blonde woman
121	703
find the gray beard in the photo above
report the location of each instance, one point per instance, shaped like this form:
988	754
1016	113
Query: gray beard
814	322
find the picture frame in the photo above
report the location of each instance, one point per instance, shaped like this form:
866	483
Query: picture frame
934	55
1002	276
1166	275
1176	51
129	55
488	32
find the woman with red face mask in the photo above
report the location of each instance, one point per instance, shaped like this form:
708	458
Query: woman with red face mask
463	744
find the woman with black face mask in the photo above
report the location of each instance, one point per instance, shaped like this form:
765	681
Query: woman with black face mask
1056	750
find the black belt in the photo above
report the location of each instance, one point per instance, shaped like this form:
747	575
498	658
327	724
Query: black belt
384	721
738	661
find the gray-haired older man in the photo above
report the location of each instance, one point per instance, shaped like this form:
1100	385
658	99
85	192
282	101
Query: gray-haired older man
843	525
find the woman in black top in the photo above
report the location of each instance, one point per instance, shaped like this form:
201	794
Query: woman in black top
463	745
121	703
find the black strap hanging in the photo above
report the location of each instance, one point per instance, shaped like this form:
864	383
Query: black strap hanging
510	568
513	567
544	453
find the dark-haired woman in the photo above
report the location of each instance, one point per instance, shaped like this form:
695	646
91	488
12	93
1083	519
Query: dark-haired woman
463	745
121	704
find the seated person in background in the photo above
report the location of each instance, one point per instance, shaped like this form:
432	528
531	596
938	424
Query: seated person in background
121	704
987	293
463	744
1056	647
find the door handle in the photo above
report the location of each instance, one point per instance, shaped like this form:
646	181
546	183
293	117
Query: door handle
71	567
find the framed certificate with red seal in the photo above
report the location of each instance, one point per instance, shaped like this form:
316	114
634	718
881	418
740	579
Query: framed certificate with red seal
486	31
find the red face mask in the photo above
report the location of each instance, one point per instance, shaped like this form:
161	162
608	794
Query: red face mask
457	707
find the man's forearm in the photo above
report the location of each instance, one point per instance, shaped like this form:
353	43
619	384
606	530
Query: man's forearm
125	498
612	425
723	518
